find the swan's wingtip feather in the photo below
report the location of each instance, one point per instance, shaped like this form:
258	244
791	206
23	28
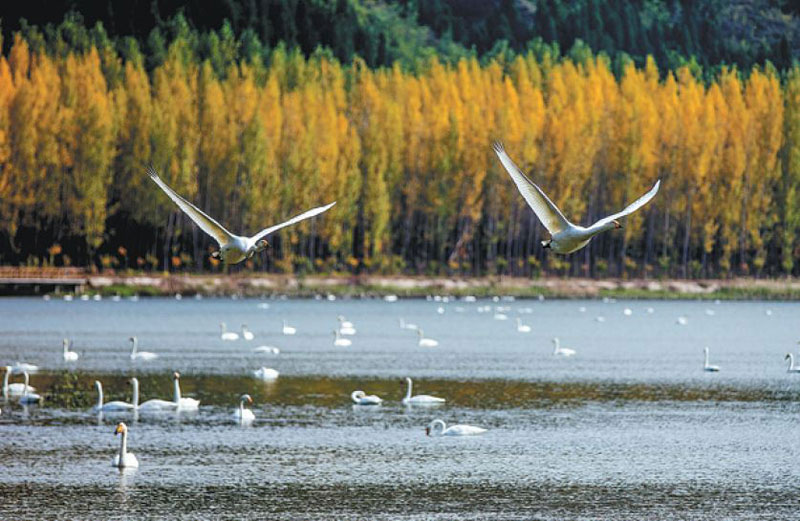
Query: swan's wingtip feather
498	147
152	172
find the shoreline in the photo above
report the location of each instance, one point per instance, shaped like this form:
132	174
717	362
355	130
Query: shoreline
410	286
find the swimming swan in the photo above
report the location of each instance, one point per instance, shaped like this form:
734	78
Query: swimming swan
28	396
123	458
115	406
14	389
246	333
453	430
405	325
565	236
266	374
69	356
287	329
523	328
792	368
420	399
561	351
362	398
242	415
233	248
226	335
267	349
706	366
140	355
184	404
339	341
154	405
425	342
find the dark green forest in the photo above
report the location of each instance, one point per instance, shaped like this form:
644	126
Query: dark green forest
711	32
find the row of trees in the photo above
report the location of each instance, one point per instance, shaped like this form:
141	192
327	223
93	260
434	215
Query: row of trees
406	155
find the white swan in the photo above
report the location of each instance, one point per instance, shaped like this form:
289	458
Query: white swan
523	328
339	341
69	356
266	374
184	404
115	406
708	367
561	351
350	331
140	355
27	395
287	329
362	398
246	333
500	316
154	405
123	458
425	342
792	368
226	335
420	399
565	236
233	248
453	430
682	321
405	325
266	349
16	389
343	323
243	415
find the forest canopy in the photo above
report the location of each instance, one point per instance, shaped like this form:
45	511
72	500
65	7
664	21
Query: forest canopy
255	131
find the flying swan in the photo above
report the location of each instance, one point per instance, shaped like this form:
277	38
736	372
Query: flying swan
565	237
233	248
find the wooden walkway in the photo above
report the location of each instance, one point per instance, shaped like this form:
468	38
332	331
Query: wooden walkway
24	280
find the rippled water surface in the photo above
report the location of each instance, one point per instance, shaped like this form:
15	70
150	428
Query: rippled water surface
629	428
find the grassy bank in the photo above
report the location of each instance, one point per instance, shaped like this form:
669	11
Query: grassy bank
379	286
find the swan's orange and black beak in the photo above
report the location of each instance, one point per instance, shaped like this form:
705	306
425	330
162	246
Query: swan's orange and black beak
617	225
119	429
427	431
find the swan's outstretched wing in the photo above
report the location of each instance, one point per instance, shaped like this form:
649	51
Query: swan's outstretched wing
293	220
206	223
630	208
542	206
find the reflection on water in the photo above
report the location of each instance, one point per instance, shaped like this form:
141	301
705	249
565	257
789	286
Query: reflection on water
628	429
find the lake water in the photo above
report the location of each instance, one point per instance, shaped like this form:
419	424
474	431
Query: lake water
630	427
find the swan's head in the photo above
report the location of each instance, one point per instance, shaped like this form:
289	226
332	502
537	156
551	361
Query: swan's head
176	375
246	398
788	356
617	225
65	343
546	244
121	429
428	430
261	245
132	339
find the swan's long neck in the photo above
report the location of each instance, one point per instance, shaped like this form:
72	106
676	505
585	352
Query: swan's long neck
705	363
436	422
135	384
176	395
133	346
592	231
408	391
5	382
791	361
241	409
26	388
99	387
123	446
65	347
556	345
